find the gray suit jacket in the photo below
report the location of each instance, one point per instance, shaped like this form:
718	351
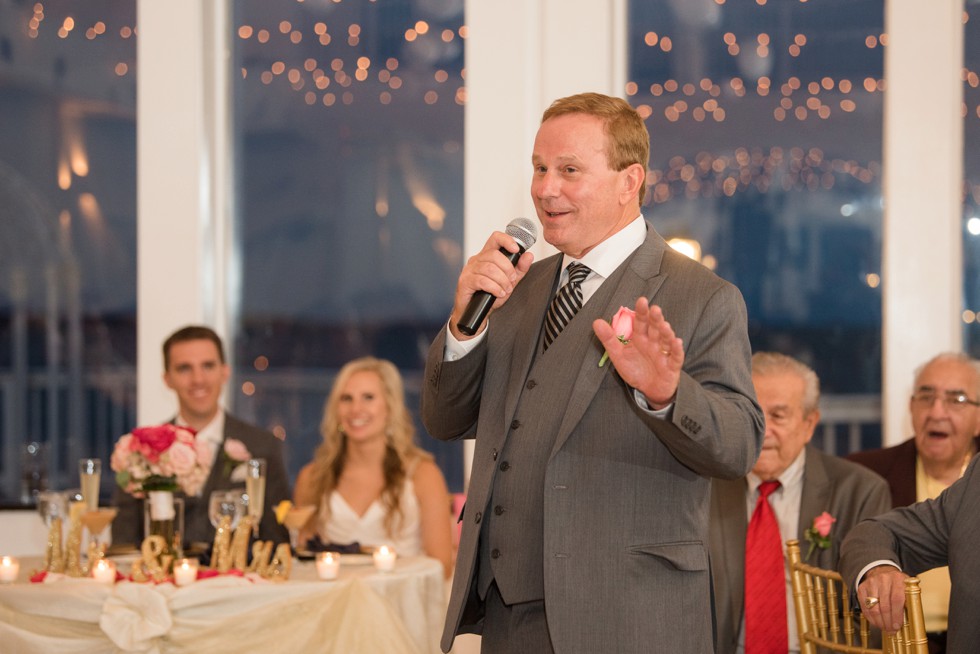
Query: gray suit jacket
847	491
926	535
128	524
625	494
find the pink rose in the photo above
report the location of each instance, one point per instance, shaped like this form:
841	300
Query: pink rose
120	453
204	453
236	450
622	323
153	441
823	522
182	458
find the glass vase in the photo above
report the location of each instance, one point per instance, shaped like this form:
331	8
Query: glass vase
163	515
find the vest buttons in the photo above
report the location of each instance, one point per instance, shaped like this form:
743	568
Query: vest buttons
515	424
504	466
495	553
493	453
498	510
530	384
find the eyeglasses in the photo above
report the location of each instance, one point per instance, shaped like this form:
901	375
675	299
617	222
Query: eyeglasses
952	400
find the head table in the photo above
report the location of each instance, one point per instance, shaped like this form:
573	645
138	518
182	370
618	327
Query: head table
396	612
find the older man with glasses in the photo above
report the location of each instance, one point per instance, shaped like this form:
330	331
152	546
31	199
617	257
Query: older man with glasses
945	408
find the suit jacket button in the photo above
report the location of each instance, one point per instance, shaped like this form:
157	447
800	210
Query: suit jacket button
531	384
515	424
478	517
495	553
504	466
498	510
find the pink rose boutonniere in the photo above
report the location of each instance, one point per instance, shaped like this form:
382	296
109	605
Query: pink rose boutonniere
234	452
818	534
622	324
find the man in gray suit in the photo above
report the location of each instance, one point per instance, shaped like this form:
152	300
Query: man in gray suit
880	553
585	528
195	369
811	483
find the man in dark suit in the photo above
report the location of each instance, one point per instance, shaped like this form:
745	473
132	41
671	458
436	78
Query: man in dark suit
880	553
585	528
946	428
811	483
195	369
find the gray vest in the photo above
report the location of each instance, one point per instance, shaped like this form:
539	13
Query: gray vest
512	534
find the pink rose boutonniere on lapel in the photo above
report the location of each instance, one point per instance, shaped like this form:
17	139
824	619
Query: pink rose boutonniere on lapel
622	324
818	534
235	452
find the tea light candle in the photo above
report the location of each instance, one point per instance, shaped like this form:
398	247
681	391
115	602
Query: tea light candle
104	571
327	565
9	568
384	559
185	571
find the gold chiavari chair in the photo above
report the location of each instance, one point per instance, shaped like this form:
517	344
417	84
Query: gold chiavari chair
826	621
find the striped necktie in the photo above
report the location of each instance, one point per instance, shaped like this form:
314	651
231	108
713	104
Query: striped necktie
766	628
566	303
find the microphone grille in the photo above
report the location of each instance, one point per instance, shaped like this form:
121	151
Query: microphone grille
522	230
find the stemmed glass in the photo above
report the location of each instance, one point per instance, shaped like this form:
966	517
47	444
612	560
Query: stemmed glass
255	488
295	519
224	503
96	522
52	504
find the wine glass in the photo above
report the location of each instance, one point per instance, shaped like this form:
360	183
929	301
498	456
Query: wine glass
52	504
223	503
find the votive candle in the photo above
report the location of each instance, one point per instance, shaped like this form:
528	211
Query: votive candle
185	571
9	569
104	571
327	565
384	559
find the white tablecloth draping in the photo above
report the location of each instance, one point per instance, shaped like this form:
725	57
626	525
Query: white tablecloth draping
400	612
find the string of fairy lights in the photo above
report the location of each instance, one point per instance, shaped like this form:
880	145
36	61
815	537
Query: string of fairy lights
340	73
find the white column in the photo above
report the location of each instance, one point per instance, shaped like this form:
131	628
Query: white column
520	56
183	203
923	173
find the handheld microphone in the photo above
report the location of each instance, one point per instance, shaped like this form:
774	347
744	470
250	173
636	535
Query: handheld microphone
525	233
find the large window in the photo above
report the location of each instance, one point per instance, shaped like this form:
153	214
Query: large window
765	120
971	187
67	238
350	118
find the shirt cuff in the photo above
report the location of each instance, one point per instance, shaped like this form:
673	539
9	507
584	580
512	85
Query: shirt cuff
874	564
457	349
641	401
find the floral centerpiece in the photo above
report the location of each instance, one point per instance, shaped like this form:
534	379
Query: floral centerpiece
161	458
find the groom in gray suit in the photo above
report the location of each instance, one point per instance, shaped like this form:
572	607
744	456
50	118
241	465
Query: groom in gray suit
586	522
811	483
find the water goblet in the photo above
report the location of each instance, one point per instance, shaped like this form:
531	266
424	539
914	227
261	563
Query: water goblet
223	503
52	504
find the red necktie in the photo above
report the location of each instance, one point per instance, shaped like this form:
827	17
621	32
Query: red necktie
765	580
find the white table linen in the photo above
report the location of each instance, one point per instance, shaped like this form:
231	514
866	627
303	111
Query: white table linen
400	612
